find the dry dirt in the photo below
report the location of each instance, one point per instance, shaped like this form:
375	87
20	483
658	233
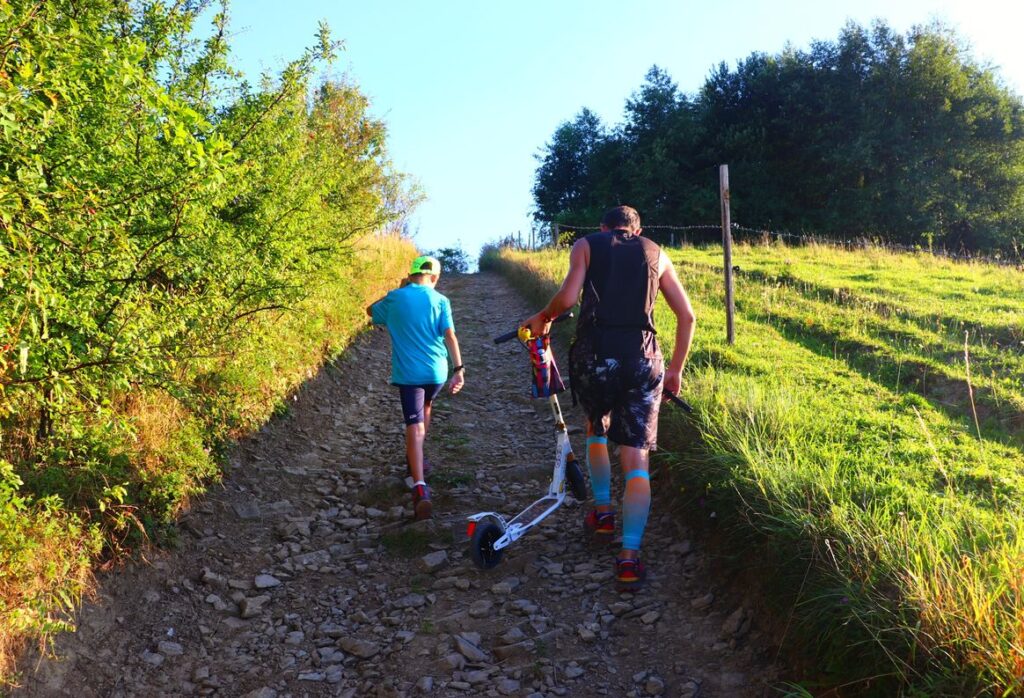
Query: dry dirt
302	574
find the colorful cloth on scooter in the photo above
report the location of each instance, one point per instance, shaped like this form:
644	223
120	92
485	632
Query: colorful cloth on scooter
546	379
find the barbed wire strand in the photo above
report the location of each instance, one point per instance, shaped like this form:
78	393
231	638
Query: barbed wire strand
805	238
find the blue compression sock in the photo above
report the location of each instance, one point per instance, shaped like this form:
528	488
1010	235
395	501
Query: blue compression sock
600	469
636	505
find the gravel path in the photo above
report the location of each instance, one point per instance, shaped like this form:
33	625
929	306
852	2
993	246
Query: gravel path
303	576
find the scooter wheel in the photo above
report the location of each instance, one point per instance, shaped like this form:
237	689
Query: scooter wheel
574	474
481	545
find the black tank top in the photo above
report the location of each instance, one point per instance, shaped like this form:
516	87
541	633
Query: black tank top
617	311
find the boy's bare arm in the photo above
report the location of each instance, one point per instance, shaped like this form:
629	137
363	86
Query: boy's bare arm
459	377
369	308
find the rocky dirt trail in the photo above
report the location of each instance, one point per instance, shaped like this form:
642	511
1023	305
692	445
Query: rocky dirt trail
303	576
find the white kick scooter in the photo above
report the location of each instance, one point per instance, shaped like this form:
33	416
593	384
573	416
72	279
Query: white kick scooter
489	532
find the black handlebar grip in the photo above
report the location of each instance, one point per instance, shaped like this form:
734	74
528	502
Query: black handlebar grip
507	336
680	403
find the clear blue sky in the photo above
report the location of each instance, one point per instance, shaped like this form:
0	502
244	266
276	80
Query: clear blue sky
471	91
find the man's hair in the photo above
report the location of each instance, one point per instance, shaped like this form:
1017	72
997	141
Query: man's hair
624	217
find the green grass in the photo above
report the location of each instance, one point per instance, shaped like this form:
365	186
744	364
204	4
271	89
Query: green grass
452	477
839	428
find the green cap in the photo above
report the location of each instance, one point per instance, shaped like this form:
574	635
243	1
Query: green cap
425	265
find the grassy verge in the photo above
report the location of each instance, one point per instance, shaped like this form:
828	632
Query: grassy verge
116	481
889	520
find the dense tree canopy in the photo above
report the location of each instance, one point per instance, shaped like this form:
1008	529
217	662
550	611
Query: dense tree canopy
904	138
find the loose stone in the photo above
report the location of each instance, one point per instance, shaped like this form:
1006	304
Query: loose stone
170	649
432	562
507	687
703	601
266	581
364	649
480	609
469	649
250	607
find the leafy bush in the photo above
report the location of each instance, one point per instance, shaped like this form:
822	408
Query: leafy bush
178	250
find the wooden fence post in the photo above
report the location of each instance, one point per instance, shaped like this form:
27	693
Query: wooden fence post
555	234
730	303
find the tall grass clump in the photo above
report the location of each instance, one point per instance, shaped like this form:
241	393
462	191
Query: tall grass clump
838	430
179	250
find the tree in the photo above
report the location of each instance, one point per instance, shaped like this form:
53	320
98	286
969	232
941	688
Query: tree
454	260
904	138
563	182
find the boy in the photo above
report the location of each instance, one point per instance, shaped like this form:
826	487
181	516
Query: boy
419	320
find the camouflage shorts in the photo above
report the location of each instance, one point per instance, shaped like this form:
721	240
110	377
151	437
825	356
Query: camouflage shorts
621	397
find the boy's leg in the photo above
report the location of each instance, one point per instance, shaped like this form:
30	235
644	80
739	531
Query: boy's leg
412	397
415	434
429	393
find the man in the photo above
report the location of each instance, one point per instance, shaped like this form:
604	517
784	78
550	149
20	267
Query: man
419	320
617	369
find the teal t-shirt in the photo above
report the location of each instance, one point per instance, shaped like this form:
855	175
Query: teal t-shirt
416	317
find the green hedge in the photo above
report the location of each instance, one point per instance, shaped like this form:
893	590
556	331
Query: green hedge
178	251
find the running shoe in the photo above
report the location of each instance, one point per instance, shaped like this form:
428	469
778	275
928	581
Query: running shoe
629	574
421	506
600	525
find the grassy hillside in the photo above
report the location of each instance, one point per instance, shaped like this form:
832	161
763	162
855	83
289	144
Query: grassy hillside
840	427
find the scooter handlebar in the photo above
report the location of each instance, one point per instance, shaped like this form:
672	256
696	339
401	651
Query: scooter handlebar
680	403
508	336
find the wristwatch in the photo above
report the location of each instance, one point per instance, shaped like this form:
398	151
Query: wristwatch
456	369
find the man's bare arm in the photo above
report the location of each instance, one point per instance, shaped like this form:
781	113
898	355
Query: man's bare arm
567	295
686	321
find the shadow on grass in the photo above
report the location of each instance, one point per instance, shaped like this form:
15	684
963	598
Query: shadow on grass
948	395
1008	337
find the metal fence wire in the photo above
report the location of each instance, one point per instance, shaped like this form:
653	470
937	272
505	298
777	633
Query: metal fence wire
678	235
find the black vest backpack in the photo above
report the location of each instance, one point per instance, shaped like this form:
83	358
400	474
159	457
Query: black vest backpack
617	311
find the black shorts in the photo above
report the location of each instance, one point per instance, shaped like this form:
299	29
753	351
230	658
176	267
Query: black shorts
621	397
414	398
